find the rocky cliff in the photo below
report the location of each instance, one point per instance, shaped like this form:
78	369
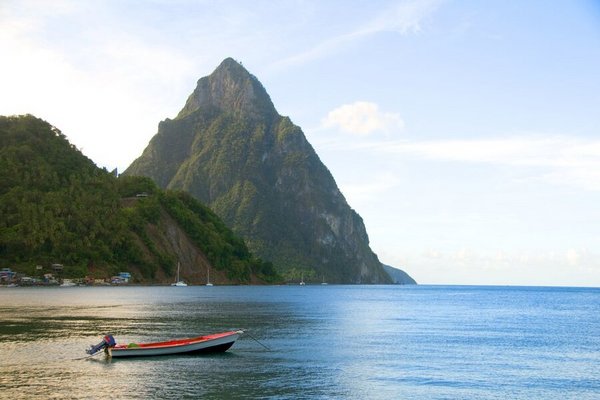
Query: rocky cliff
229	148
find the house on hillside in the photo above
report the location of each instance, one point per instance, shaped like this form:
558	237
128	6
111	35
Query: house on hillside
126	276
7	275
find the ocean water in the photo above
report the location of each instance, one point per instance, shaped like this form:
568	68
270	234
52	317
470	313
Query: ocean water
324	342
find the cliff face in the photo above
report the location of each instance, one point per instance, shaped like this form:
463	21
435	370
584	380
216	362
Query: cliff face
165	236
229	148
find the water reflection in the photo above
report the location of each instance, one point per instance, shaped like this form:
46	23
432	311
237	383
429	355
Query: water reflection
42	343
327	342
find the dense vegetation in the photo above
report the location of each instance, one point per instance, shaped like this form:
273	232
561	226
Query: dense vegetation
222	247
56	206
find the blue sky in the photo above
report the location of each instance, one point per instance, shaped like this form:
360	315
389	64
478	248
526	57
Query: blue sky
465	133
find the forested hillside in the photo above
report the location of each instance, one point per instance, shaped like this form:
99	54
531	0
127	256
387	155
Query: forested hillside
57	206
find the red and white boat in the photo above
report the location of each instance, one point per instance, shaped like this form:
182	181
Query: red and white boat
218	342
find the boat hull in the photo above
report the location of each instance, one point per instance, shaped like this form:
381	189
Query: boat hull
216	343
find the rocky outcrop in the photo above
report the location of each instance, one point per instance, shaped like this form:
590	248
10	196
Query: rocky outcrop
230	148
230	88
398	276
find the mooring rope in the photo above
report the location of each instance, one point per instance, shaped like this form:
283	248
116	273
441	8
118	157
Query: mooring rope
256	340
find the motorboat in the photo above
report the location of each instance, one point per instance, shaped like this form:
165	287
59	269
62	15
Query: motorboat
214	343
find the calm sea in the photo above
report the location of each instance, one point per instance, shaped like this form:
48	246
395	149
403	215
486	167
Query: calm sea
326	342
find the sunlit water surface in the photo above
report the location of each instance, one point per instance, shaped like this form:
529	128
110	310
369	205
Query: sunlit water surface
345	342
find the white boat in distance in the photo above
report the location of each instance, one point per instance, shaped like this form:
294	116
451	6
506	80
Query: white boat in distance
177	281
208	277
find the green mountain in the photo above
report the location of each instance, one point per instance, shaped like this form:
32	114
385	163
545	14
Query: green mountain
229	148
56	206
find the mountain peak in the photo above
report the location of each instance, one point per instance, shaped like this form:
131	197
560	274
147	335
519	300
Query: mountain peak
232	65
230	149
230	88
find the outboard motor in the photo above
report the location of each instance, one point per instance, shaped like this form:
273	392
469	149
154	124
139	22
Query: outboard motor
107	342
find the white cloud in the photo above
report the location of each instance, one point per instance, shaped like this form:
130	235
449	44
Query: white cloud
432	253
365	192
523	151
362	118
101	93
573	267
573	257
555	159
403	18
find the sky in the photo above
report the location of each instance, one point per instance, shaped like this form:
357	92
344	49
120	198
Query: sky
465	133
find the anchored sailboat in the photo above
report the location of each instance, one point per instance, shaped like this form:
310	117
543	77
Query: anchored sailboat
177	281
208	277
